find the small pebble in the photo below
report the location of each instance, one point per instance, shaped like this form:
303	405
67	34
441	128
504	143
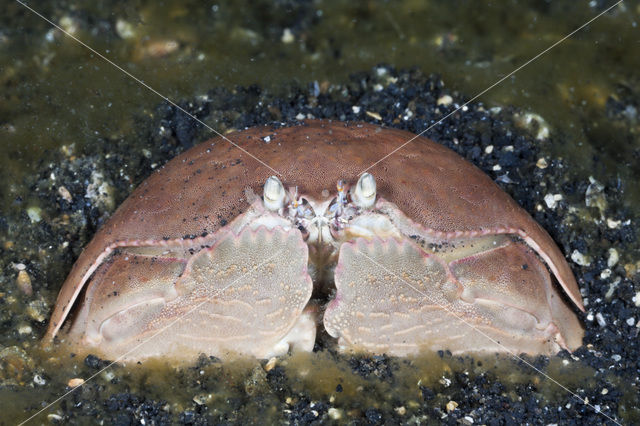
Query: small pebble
444	100
594	196
504	178
100	191
24	283
616	357
631	321
202	399
497	168
108	375
24	329
488	149
37	310
613	224
468	419
287	36
374	115
74	383
451	405
35	214
65	194
601	321
125	29
158	48
69	24
401	410
542	163
334	413
355	109
612	288
270	365
580	258
614	257
550	201
67	150
530	120
39	380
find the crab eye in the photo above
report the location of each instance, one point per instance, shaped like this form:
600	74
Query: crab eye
273	194
364	193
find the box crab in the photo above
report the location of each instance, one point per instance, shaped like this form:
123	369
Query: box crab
428	254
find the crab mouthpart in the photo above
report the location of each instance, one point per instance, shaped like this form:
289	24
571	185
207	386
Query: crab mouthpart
322	222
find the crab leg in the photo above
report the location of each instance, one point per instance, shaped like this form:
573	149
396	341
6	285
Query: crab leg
82	271
537	239
244	294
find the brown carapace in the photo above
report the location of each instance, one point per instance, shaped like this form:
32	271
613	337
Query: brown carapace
212	254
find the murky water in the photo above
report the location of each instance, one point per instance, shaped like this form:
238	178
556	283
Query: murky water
58	94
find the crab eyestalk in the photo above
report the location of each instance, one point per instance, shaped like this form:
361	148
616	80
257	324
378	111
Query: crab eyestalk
273	194
337	207
364	193
340	186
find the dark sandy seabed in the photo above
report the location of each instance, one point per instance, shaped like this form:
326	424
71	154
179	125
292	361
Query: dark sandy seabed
587	221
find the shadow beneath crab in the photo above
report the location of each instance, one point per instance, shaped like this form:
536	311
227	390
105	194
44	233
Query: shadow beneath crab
325	384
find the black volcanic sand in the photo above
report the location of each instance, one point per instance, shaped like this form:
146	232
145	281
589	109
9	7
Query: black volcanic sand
326	386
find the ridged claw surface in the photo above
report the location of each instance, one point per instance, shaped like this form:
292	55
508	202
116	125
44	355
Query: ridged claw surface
392	297
242	295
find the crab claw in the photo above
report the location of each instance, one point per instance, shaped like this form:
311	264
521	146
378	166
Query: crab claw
273	194
364	193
